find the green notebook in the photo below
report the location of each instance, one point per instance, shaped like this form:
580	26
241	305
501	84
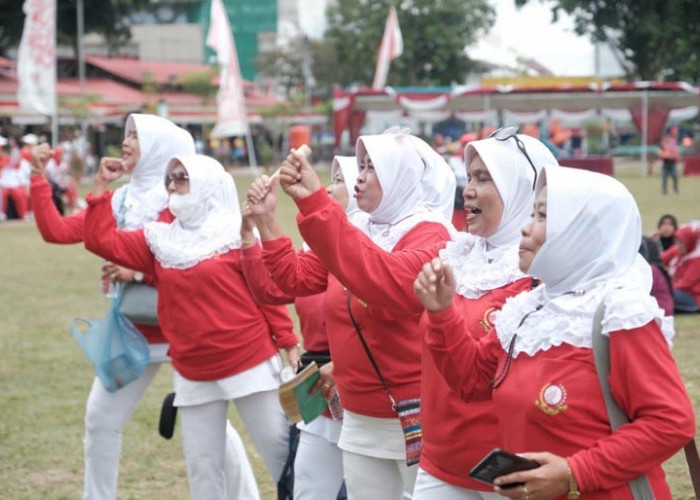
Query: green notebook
297	402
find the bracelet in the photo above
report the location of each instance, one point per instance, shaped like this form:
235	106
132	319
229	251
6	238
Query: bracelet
574	494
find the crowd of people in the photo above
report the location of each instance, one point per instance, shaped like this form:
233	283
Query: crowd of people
15	172
439	344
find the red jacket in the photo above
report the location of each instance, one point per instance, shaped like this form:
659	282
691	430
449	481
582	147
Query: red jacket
446	415
309	308
206	312
570	419
360	271
54	228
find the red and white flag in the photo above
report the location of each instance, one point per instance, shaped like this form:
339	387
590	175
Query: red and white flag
232	118
391	48
36	58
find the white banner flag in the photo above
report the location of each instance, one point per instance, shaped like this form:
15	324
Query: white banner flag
36	59
232	117
390	48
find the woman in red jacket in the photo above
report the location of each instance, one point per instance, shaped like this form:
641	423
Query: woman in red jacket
353	266
149	142
498	199
683	262
318	466
221	345
538	365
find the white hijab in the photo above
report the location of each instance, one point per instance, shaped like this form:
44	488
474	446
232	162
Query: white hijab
144	197
400	169
215	229
591	253
484	264
439	182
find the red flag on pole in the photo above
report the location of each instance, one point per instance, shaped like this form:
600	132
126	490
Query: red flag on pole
390	48
232	118
36	58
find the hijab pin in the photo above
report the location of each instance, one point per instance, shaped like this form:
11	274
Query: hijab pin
579	292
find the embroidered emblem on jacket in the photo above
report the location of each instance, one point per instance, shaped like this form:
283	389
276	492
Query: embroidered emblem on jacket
552	399
487	321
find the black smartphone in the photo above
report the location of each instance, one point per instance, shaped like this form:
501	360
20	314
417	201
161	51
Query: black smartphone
499	463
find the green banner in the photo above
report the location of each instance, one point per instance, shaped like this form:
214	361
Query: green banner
248	19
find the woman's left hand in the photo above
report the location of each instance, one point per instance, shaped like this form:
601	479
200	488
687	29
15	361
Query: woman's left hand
117	273
549	480
293	356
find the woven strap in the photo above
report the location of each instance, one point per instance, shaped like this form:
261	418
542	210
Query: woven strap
641	489
369	354
691	456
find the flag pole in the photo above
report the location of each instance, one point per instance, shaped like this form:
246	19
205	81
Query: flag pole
54	115
251	152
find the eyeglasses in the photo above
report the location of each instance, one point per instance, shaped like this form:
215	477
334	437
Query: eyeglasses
505	133
179	178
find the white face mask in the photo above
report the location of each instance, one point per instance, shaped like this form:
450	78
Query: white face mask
187	208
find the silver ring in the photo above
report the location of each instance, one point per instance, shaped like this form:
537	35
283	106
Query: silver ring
527	495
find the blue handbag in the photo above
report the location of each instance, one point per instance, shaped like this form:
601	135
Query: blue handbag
115	347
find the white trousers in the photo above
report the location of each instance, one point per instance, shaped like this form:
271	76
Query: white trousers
428	487
106	415
370	478
203	432
318	468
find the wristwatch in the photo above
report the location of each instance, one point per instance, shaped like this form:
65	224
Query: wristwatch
138	277
574	494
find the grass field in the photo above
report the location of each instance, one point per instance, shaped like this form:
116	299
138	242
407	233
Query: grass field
44	378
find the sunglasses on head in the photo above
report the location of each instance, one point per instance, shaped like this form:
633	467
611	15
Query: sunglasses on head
179	178
505	133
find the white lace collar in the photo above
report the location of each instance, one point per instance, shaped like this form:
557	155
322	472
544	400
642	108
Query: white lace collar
568	318
478	269
387	236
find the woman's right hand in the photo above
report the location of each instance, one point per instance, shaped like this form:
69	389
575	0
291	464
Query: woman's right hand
435	285
109	171
297	177
41	155
326	383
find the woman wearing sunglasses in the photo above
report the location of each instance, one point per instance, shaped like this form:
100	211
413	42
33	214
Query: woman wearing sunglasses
355	266
223	345
537	364
149	142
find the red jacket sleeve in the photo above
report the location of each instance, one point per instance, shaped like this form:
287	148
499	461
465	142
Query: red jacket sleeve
53	227
297	274
646	384
466	364
378	277
259	281
669	254
281	326
126	248
689	281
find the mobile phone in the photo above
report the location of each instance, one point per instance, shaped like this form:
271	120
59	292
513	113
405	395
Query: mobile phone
499	463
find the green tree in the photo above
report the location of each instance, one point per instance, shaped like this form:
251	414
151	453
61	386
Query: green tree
109	18
653	39
435	33
11	22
